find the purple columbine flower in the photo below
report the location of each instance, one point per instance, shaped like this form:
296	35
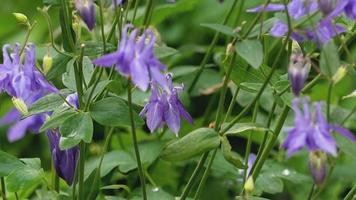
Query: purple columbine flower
73	100
298	70
86	9
322	31
64	161
164	106
135	59
22	80
312	131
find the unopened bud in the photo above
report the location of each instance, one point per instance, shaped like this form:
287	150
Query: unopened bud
87	12
212	125
230	49
47	63
298	71
20	105
21	18
340	74
317	166
249	185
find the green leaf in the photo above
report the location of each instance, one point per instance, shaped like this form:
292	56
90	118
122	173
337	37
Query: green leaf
100	87
78	126
251	51
68	78
164	51
67	143
57	119
8	163
229	155
93	48
47	103
250	198
113	111
269	183
346	145
242	127
23	178
193	144
116	187
221	28
51	2
329	59
58	67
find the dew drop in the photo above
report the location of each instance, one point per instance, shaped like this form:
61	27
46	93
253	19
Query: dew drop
286	172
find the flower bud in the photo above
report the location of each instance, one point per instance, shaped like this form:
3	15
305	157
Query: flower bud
47	63
298	70
21	18
86	11
327	6
249	185
317	166
340	74
230	49
20	105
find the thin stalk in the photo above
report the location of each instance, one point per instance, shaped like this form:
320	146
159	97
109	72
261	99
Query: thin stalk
78	74
249	143
210	49
232	104
137	3
312	189
148	11
102	25
81	170
329	101
312	83
195	174
259	162
29	30
134	138
3	188
55	178
205	176
67	17
17	196
223	94
351	194
150	179
98	169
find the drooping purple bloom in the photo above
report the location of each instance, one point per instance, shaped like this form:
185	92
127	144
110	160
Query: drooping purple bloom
86	9
350	9
64	161
317	166
324	32
298	70
164	107
135	59
312	131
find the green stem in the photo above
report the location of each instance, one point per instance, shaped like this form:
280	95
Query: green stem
351	194
134	138
329	101
210	50
259	162
17	196
249	143
311	84
68	25
149	9
223	94
55	178
81	170
3	188
195	174
29	30
102	25
232	104
312	189
205	176
78	74
137	3
98	169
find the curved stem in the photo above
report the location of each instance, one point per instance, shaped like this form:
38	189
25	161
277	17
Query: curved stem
205	176
232	104
351	194
98	169
195	174
210	50
29	30
134	138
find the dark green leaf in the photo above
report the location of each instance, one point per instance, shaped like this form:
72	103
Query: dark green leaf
78	126
46	104
164	51
113	111
57	119
193	144
329	59
8	163
251	51
242	127
23	178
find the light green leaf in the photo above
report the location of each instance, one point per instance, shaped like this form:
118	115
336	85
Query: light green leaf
221	28
55	120
8	163
23	178
329	59
113	111
46	104
251	51
193	144
164	51
242	127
